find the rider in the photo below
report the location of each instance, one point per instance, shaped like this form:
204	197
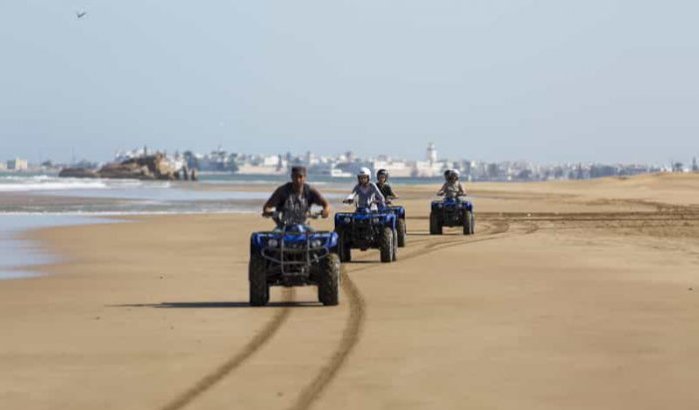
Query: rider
452	188
384	187
365	192
294	199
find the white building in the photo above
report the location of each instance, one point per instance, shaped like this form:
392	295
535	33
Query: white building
431	153
17	164
429	169
250	169
267	165
274	161
3	166
394	168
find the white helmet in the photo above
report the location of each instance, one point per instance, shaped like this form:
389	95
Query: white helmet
456	173
364	172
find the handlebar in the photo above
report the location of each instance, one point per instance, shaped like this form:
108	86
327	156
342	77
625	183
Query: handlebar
354	201
276	215
457	195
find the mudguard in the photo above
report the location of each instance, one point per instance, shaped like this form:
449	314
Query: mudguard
298	234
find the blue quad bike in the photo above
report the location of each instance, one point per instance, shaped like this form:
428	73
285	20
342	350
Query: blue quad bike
366	229
401	227
294	255
452	212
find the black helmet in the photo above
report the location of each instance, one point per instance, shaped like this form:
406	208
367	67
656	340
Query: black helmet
381	172
447	174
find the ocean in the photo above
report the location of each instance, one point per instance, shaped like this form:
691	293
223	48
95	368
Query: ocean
39	200
33	201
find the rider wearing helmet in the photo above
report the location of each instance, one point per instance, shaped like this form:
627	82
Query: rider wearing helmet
294	199
384	187
366	193
452	188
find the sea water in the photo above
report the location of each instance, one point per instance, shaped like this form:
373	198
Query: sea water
17	255
32	201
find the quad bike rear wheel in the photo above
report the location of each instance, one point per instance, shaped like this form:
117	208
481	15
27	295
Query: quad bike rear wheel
402	232
386	245
257	276
329	280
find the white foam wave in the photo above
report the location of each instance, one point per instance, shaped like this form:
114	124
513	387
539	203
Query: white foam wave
51	186
127	213
53	183
25	178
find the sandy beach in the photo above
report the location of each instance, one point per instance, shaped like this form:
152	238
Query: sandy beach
571	295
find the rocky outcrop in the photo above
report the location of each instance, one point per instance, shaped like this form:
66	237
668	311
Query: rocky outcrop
77	173
149	167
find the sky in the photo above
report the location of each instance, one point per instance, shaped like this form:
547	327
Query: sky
546	81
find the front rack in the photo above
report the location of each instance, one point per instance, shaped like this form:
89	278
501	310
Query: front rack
277	255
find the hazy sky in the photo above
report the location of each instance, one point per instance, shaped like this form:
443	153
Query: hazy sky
549	80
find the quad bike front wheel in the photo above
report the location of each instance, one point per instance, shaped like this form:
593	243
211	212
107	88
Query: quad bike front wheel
329	280
469	223
343	248
386	245
435	224
402	232
395	246
257	276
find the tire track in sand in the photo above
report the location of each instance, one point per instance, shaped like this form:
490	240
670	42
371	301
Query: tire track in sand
355	321
257	342
350	336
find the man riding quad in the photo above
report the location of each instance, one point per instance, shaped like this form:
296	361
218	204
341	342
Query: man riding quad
452	187
293	200
452	210
384	187
399	211
366	193
293	254
371	226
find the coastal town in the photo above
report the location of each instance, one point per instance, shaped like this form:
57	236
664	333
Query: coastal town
187	164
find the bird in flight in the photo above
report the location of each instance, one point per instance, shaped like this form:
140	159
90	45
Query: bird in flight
80	14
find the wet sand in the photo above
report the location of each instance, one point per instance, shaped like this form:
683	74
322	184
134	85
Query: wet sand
571	295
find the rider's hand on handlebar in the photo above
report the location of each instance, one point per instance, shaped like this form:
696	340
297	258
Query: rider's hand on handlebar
347	201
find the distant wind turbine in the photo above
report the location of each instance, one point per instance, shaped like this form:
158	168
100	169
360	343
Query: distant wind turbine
80	14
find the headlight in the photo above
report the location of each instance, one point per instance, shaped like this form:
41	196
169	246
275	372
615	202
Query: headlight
439	205
316	243
273	243
348	219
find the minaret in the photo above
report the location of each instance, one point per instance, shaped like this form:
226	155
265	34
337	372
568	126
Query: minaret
431	153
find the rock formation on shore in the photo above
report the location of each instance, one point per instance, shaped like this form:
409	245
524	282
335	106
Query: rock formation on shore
148	167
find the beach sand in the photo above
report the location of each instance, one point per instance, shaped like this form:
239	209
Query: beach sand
571	295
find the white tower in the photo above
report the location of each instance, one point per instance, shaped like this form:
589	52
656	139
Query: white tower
431	153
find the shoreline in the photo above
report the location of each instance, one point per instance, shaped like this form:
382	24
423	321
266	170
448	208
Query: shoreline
410	194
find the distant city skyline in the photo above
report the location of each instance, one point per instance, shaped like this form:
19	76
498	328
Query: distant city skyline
545	81
75	155
181	164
